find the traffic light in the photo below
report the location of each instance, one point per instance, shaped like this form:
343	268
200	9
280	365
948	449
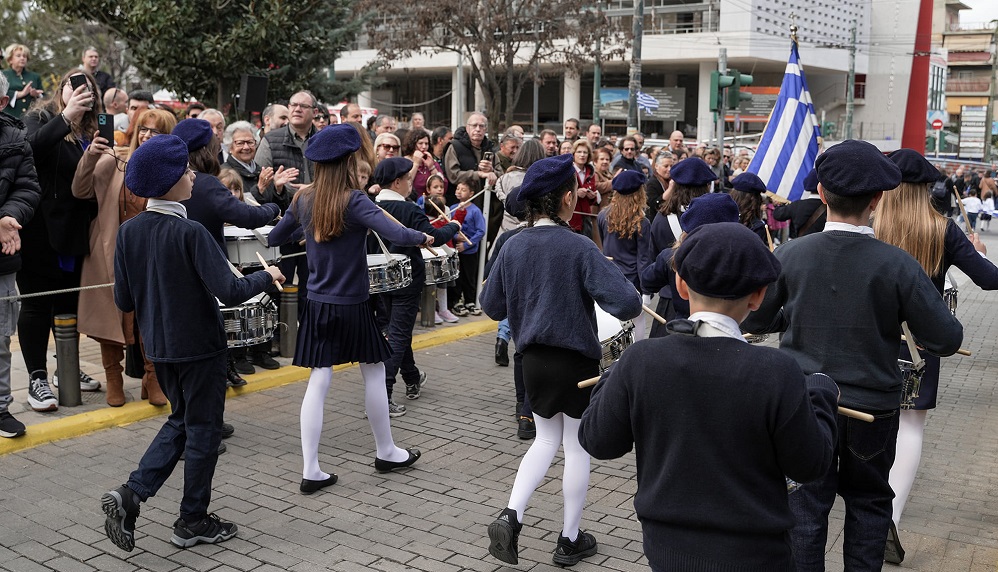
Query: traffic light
735	95
718	83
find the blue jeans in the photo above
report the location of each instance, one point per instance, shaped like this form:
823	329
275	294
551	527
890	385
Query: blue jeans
196	391
504	330
859	472
402	306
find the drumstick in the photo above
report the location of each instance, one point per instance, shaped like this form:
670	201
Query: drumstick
963	211
266	266
460	234
960	351
652	313
467	202
390	217
842	410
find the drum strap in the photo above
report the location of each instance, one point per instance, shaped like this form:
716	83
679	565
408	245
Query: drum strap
384	249
677	230
916	359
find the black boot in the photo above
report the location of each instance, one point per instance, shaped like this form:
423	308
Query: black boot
232	377
502	352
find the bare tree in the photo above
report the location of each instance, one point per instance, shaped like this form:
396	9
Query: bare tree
504	41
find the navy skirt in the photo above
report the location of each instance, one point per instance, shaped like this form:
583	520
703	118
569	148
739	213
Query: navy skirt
331	334
551	376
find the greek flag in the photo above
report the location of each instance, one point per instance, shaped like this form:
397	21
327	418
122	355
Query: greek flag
647	102
789	143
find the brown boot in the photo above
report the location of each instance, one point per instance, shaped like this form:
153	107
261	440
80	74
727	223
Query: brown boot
111	356
150	384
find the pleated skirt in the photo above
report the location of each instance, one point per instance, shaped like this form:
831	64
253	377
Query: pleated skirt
331	334
551	376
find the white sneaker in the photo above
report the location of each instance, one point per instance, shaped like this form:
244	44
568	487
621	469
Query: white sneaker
437	319
40	396
448	316
87	383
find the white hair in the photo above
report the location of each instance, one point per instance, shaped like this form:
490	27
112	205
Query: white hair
230	131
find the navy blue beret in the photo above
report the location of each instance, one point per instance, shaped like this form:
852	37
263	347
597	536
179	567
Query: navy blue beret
749	183
156	166
627	182
195	132
914	167
708	209
725	260
811	181
514	207
546	175
390	169
332	143
692	172
854	168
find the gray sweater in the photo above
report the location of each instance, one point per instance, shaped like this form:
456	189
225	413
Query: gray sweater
840	300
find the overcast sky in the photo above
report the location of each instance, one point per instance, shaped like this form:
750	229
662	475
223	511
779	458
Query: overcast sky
982	11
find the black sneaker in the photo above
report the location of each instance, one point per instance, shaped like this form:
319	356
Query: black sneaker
10	427
40	396
459	310
122	508
569	553
243	366
893	552
210	530
412	390
395	409
503	534
264	360
87	383
227	430
525	428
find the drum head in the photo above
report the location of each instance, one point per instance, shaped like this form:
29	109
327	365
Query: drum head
607	325
380	260
236	232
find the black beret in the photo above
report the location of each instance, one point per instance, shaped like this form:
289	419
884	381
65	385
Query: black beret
811	181
692	172
390	169
914	167
725	260
749	183
627	182
546	175
514	207
195	132
709	209
854	168
332	142
156	166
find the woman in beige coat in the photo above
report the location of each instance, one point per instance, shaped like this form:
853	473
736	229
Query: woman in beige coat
100	176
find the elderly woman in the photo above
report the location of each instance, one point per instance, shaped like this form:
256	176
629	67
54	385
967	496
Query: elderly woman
658	182
386	145
23	86
257	181
100	177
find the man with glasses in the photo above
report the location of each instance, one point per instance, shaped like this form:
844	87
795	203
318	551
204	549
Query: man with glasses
194	110
627	160
464	160
116	103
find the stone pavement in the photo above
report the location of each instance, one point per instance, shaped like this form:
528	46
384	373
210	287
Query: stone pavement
433	517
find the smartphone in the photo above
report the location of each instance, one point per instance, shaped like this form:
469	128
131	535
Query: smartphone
488	156
105	127
77	80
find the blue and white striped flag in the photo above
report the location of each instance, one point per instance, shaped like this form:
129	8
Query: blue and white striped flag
789	143
647	102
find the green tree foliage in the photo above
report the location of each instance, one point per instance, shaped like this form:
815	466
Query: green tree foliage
201	48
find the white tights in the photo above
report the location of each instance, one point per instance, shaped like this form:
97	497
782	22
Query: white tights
551	433
375	401
442	298
909	454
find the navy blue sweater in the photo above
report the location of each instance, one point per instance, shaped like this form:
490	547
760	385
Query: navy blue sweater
716	424
169	271
545	280
212	205
631	255
337	268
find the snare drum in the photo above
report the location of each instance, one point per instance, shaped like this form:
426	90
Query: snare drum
950	293
911	380
250	323
441	268
615	337
386	275
242	245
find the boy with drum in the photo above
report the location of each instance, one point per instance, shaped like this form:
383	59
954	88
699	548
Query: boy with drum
717	423
840	302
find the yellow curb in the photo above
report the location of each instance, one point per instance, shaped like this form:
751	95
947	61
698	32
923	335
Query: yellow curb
83	423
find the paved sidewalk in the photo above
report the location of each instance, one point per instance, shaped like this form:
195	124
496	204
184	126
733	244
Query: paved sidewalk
433	517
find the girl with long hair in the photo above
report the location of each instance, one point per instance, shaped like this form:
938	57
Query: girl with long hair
548	266
337	323
748	192
624	231
906	219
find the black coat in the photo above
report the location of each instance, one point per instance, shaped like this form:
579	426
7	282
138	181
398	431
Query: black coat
20	192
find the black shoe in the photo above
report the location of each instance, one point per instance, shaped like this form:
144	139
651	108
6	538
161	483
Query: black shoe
412	390
10	427
525	428
309	486
503	534
502	352
122	508
232	377
244	366
389	466
893	552
227	430
569	553
263	360
210	530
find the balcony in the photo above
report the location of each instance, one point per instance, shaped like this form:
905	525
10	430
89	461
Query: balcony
668	16
968	86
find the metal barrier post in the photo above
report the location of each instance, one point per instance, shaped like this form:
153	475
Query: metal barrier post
428	306
67	355
289	317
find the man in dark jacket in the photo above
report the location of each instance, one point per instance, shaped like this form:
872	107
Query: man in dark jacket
19	196
465	162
